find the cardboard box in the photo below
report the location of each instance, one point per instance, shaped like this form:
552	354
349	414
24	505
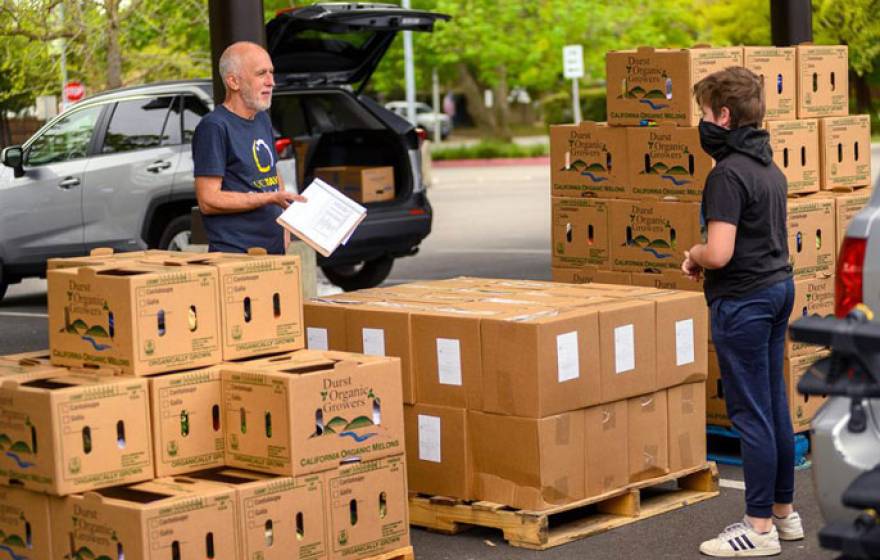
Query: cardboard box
656	85
580	232
666	280
682	331
666	162
647	420
24	369
651	236
847	205
528	463
588	274
845	148
153	520
687	426
795	147
628	349
305	412
801	407
812	296
325	325
811	243
367	508
823	81
104	256
777	67
607	455
260	300
279	517
25	524
361	183
74	432
188	424
140	319
540	365
438	451
587	159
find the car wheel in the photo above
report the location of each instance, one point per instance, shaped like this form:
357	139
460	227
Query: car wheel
177	234
367	274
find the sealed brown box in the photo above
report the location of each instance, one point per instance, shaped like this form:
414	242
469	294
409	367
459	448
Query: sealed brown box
666	162
24	368
687	426
361	183
647	420
811	243
587	159
140	319
542	364
656	85
795	147
325	325
367	508
25	526
438	451
847	206
682	337
188	430
845	149
306	411
812	296
74	432
528	463
580	232
666	280
627	330
607	455
588	274
802	407
650	236
823	81
279	517
153	520
777	67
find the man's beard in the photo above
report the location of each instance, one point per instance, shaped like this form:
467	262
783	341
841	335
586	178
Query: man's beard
252	101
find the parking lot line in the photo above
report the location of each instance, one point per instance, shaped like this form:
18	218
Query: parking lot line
23	314
465	251
735	484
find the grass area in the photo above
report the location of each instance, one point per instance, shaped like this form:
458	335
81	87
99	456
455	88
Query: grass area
489	149
459	133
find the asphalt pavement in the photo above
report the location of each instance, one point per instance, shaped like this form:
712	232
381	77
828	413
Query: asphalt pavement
495	222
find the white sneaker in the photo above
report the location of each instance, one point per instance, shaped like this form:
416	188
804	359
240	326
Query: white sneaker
740	540
790	528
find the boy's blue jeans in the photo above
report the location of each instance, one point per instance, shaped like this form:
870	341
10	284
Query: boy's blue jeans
749	338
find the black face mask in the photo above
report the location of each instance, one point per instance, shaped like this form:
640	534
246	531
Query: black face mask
713	139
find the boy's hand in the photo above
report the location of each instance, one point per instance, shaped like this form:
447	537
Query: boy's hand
690	268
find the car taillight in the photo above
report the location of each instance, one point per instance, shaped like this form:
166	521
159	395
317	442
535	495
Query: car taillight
850	276
422	134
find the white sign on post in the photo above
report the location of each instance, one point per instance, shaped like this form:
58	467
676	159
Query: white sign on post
573	69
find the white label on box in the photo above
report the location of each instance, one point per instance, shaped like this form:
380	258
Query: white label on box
317	339
429	438
449	361
684	342
624	349
567	359
374	342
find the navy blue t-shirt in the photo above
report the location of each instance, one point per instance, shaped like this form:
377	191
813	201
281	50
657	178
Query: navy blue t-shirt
242	152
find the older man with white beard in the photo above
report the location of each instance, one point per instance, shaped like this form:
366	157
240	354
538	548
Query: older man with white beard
237	185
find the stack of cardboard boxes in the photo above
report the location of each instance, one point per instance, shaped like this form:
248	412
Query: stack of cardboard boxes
533	394
626	194
178	415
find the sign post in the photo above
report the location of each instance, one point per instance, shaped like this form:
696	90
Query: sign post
573	69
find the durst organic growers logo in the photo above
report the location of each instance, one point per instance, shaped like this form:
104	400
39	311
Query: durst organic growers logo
339	396
640	71
644	222
18	450
81	304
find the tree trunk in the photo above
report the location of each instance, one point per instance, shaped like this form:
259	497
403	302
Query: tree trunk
114	52
502	108
473	93
863	92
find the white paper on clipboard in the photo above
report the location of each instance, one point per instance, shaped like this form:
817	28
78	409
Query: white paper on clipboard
326	221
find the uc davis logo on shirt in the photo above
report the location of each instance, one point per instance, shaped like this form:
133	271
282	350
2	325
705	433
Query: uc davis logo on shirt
259	146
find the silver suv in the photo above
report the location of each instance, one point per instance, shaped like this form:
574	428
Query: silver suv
116	170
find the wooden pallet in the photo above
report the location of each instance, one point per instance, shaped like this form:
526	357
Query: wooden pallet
540	530
405	553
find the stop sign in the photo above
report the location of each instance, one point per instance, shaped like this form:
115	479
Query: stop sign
74	91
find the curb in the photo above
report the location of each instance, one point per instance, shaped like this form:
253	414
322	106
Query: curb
495	162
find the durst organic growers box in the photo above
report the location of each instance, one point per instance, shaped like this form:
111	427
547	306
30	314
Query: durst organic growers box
823	81
74	432
845	149
142	319
795	145
157	520
588	160
580	232
25	527
656	85
307	411
811	242
652	236
588	274
778	71
813	295
666	162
